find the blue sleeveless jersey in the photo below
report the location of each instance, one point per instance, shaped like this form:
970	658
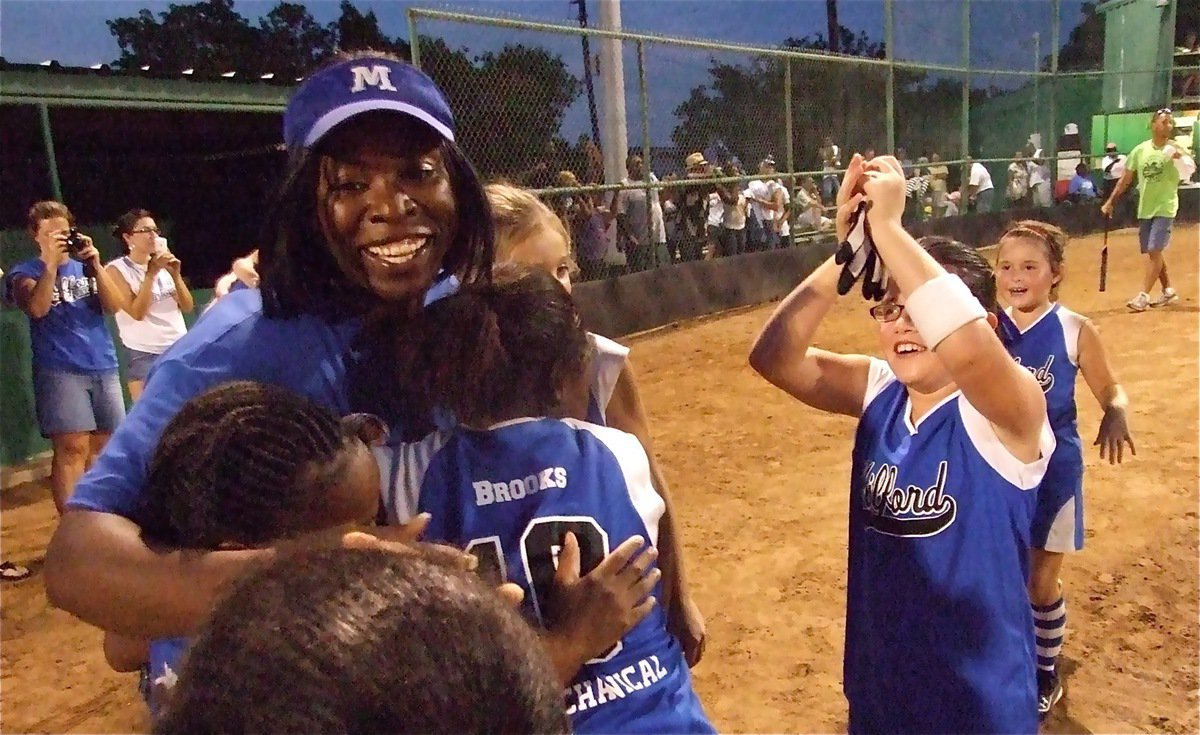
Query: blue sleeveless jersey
939	632
1049	348
509	494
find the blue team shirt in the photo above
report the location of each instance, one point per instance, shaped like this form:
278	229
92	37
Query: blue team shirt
162	671
939	632
73	336
509	494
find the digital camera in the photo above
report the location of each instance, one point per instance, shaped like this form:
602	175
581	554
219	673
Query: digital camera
75	243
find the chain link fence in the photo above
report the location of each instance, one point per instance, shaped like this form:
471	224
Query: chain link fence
769	129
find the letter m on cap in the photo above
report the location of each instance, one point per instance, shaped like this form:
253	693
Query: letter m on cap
376	76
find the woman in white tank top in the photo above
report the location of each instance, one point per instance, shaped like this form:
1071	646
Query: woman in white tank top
155	292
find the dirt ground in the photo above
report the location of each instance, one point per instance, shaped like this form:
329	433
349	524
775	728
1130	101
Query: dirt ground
761	484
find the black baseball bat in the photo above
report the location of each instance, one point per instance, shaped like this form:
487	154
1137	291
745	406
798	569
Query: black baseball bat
1104	258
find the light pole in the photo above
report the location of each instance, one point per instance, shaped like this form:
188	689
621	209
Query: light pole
587	70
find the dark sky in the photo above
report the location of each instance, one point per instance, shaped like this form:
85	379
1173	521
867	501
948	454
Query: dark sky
74	33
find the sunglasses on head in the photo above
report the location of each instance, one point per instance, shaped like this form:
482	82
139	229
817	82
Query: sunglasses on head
1163	111
367	428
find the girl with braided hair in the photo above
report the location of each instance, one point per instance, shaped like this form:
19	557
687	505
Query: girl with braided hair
379	207
246	465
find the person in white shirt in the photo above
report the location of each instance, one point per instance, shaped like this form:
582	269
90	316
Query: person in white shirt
809	212
155	292
1113	166
980	190
766	204
1018	180
1039	179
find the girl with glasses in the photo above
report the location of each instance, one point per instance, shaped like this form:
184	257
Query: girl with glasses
952	442
157	297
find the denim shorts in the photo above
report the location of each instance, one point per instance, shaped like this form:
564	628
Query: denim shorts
1155	233
69	403
138	364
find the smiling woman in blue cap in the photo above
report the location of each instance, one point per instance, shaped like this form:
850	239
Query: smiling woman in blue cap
378	206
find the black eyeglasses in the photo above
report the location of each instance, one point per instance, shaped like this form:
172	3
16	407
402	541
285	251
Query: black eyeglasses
144	230
888	311
367	428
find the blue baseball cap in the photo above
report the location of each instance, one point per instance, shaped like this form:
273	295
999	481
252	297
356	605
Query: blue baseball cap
337	93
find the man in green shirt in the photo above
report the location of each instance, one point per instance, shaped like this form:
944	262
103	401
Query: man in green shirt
1159	166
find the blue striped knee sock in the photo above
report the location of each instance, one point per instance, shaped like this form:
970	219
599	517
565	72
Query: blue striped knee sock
1049	624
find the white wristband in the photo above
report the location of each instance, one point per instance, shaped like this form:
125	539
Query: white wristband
941	306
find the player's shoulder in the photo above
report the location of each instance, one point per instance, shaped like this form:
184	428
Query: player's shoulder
1070	318
606	347
624	446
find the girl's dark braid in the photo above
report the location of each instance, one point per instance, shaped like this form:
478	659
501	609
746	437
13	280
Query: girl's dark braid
228	467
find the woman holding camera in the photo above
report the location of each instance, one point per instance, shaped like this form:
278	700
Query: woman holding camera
65	292
150	281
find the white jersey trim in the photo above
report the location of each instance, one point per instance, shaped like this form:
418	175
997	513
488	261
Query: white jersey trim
634	464
1026	476
879	375
1072	323
1061	537
607	364
402	471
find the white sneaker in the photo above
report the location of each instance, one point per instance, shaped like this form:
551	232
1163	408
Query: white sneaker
1141	302
1168	296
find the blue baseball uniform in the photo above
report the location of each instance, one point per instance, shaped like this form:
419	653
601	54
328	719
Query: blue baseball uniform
1049	348
509	494
162	671
939	632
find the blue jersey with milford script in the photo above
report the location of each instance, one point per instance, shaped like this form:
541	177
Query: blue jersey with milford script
939	633
1049	348
510	494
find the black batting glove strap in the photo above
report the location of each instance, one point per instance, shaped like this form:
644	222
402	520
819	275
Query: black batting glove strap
859	259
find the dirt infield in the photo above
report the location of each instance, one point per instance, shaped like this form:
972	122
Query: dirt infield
761	482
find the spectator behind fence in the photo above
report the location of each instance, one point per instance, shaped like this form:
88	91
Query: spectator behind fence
363	641
1113	166
634	214
150	280
831	160
65	292
692	206
938	176
587	222
1017	190
766	204
810	210
1039	178
980	191
952	200
1081	187
733	221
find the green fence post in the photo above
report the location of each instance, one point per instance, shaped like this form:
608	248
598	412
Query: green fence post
1054	100
966	94
890	55
414	41
644	97
51	160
